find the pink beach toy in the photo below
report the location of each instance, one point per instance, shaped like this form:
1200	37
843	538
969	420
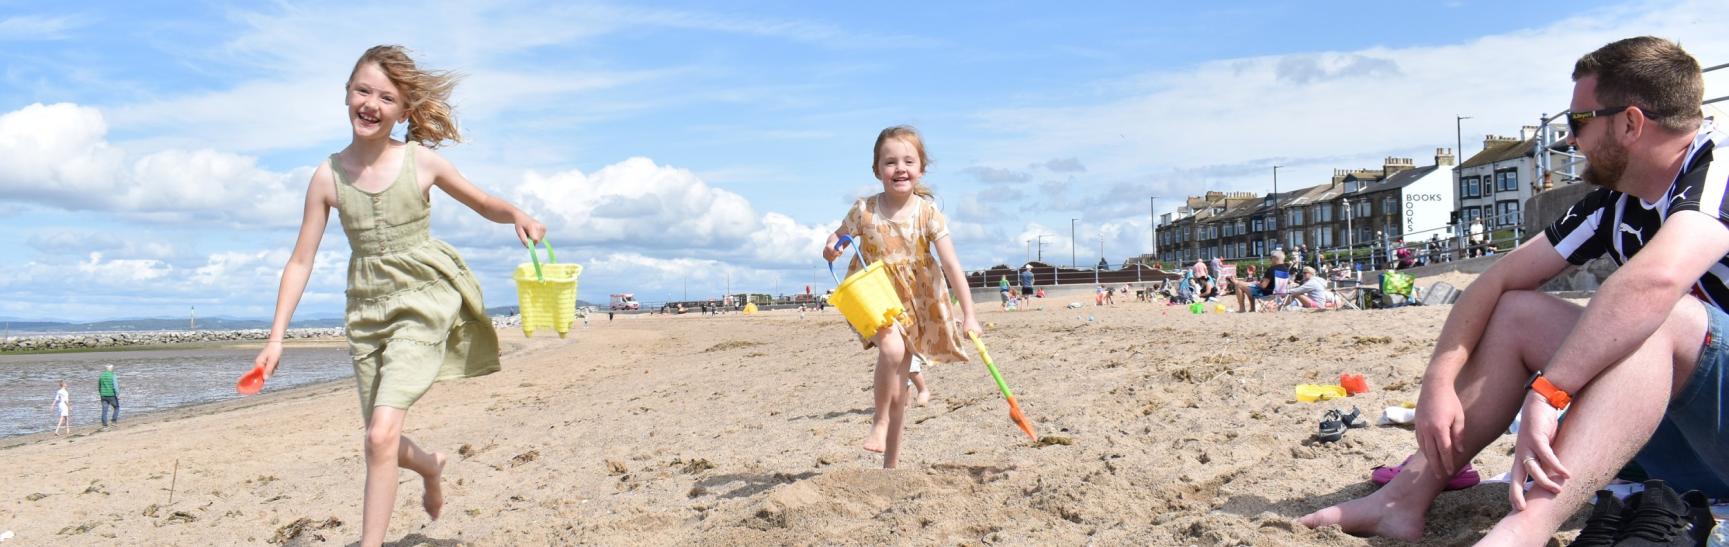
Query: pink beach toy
1465	478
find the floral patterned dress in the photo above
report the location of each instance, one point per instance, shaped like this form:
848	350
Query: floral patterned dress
905	248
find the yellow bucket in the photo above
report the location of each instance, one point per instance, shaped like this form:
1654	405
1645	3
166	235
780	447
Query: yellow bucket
546	293
868	300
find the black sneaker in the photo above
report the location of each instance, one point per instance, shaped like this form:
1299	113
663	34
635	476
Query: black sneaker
1605	520
1660	518
1699	516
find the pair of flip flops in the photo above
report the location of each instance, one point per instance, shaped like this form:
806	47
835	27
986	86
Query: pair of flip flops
1465	478
1334	424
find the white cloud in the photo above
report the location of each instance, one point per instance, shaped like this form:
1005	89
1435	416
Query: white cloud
121	272
20	28
59	156
1323	110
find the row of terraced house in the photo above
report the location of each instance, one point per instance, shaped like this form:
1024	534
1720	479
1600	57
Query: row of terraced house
1373	207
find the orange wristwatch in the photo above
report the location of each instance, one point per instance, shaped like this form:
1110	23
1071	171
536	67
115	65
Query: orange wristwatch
1553	395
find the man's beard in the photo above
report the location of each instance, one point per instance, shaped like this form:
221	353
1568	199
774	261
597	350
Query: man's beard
1606	167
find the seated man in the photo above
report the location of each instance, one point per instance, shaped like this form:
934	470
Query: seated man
1248	292
1647	358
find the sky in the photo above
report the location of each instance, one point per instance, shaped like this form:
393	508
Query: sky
154	157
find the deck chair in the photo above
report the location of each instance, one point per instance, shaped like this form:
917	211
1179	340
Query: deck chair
1348	291
1281	293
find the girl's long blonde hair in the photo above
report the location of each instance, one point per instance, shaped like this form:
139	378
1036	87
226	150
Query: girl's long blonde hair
431	121
911	136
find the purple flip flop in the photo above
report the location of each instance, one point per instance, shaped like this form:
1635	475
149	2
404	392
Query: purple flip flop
1465	478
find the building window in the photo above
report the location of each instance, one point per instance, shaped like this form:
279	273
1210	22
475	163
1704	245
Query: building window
1468	187
1324	213
1296	217
1390	206
1260	247
1507	181
1273	222
1507	213
1256	224
1362	208
1350	186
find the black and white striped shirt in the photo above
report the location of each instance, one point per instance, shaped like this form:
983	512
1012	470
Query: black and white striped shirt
1606	221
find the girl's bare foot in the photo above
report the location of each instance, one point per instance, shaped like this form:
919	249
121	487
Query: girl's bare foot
433	501
924	397
879	437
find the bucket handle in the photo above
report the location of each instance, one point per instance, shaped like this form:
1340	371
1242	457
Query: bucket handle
550	257
838	244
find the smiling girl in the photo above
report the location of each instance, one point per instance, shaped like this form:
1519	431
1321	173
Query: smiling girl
414	313
899	227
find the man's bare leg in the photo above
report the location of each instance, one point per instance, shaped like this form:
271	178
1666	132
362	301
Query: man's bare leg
1524	331
1606	427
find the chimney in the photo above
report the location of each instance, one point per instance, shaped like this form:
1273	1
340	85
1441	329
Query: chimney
1527	132
1394	165
1444	157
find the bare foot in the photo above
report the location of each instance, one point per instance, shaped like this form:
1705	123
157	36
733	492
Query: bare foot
433	501
924	397
1370	516
879	438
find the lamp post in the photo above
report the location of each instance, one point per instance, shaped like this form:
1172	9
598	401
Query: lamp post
1153	223
1458	171
1072	262
1278	233
1350	248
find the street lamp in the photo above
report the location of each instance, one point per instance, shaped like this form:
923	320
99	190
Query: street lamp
1278	233
1153	223
1458	172
1072	262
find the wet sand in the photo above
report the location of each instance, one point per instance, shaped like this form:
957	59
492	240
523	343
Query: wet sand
1159	427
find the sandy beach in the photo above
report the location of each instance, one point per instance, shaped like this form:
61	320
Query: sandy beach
1160	427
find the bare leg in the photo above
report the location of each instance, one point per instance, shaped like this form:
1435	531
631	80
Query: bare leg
386	452
430	466
1607	426
924	392
897	407
886	383
1525	331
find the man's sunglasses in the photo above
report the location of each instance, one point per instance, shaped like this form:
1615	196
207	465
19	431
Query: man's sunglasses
1576	120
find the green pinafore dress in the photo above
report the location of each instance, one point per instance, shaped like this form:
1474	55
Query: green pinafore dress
414	314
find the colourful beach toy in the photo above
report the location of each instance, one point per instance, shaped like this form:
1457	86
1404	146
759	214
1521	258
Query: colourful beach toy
1310	393
546	294
866	298
252	382
1014	408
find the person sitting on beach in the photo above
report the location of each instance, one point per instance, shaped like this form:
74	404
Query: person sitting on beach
415	313
62	408
1248	293
1205	289
1642	368
899	227
1310	289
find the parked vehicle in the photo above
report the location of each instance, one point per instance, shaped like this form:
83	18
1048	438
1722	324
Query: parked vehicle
625	301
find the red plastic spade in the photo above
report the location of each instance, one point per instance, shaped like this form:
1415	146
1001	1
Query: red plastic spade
252	382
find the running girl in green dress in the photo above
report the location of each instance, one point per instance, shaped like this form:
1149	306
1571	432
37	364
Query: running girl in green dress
414	313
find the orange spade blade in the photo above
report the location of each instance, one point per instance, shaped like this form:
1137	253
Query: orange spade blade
252	382
1021	419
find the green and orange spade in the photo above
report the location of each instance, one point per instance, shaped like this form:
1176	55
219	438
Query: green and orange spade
1014	408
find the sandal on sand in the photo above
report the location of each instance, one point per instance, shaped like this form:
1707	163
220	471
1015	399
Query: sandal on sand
1354	419
1332	427
1465	478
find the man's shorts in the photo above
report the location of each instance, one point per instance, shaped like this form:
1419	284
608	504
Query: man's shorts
1255	291
1026	291
1688	449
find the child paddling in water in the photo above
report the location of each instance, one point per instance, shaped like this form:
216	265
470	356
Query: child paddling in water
414	313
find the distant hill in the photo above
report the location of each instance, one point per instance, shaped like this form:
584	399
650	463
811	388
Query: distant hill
156	325
212	323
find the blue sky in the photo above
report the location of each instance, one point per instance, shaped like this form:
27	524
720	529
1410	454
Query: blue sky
154	157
